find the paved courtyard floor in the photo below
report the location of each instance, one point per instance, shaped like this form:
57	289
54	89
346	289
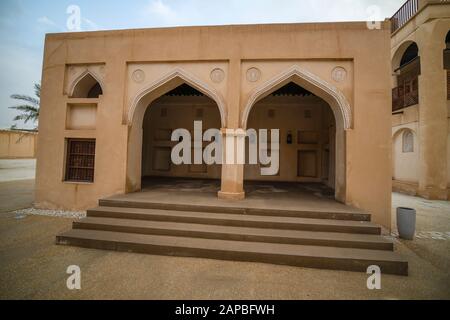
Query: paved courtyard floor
17	169
33	267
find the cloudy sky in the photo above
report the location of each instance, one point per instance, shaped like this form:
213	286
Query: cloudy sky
24	23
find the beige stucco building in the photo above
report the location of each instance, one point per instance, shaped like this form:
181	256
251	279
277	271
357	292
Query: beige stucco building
111	99
420	52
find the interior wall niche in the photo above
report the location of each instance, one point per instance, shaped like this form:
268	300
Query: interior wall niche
81	116
161	159
307	164
308	137
163	135
408	141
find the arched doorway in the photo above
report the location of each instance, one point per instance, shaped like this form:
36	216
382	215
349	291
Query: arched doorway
191	94
315	150
177	109
307	138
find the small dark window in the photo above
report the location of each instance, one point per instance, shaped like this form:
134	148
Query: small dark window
80	161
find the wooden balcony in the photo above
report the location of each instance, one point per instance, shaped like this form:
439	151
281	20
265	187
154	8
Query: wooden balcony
402	16
405	95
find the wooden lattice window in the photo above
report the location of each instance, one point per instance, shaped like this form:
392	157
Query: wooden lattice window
80	160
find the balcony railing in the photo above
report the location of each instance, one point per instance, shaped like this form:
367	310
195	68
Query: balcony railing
402	16
405	95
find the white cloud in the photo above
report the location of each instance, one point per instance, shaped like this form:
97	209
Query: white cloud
91	25
161	10
46	21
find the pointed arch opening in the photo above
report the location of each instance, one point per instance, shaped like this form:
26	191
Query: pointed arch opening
406	71
86	86
173	102
312	116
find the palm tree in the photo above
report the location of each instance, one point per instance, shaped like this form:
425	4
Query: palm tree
30	107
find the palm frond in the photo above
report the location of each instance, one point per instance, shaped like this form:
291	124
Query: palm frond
20	117
37	89
30	117
26	108
26	98
30	111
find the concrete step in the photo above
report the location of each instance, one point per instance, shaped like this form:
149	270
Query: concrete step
283	254
342	215
329	239
252	221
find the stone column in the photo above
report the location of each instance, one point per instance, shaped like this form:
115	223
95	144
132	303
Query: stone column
232	174
432	118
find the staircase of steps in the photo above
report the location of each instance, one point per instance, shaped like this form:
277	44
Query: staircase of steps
326	240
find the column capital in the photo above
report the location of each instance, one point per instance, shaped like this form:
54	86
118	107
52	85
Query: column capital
239	132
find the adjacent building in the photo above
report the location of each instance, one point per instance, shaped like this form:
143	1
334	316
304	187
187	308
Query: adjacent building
420	53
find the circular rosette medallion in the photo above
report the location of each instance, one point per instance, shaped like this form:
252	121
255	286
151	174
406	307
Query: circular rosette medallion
138	76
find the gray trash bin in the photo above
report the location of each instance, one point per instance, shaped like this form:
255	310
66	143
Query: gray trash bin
406	223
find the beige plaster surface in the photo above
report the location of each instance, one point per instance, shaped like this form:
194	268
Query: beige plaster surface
17	145
405	164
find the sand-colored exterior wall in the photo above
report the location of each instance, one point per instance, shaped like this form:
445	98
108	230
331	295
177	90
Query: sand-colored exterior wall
345	64
17	144
429	119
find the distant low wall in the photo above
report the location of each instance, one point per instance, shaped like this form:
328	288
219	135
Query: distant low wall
17	144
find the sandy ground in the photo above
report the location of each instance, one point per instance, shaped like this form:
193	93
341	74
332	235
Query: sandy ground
33	267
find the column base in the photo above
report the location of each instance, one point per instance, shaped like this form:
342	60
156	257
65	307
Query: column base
231	195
